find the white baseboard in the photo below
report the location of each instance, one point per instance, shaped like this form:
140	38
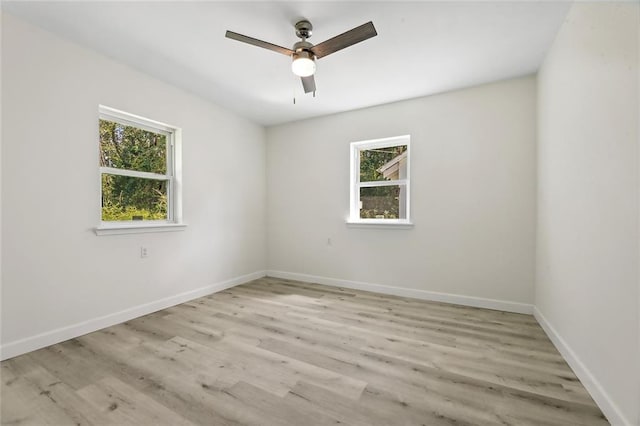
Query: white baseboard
477	302
28	344
595	389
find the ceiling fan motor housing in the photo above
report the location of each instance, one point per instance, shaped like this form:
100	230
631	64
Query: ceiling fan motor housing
302	47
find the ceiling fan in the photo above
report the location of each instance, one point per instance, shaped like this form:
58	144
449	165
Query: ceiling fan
304	53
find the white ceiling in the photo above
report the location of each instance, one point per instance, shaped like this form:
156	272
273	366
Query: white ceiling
422	48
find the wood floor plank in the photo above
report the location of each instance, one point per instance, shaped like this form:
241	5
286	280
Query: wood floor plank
35	397
281	352
123	405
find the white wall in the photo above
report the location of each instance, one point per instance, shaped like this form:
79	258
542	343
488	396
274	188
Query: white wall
587	251
1	13
56	272
472	201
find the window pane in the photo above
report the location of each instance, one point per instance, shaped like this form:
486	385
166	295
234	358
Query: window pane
383	202
132	198
127	147
383	163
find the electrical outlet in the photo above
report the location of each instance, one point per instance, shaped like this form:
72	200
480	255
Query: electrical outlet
143	252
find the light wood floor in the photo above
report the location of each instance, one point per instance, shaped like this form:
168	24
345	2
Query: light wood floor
277	352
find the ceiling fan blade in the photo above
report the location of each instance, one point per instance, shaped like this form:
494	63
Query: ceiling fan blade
351	37
309	84
259	43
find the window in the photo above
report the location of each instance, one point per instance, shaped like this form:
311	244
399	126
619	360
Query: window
139	172
380	181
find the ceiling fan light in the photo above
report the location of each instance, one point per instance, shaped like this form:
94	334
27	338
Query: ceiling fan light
303	65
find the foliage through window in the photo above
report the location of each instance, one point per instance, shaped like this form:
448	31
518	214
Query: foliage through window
380	180
137	163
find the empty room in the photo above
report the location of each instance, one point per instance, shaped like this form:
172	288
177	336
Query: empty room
316	212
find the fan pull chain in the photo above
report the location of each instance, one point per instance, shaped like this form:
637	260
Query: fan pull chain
293	89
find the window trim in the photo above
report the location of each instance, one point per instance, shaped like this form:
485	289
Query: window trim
173	176
354	179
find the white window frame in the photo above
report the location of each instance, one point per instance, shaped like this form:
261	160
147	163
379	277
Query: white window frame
173	176
354	209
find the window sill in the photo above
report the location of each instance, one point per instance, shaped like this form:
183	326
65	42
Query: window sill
129	228
380	224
